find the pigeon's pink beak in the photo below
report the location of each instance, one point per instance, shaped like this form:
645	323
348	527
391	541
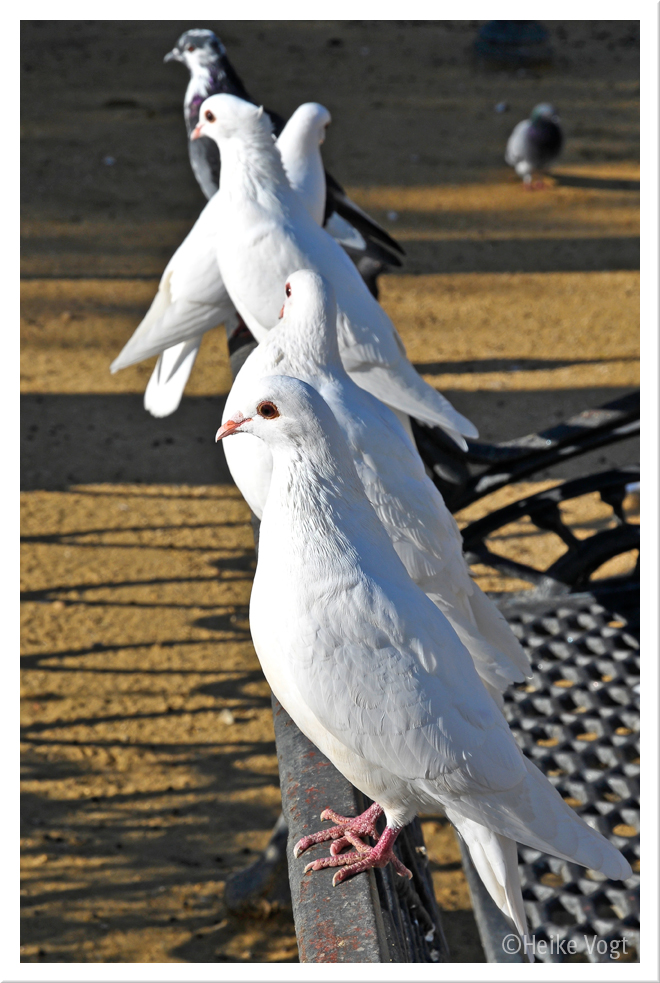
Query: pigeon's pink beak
231	426
281	314
197	132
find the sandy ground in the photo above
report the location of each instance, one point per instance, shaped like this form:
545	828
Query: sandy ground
149	763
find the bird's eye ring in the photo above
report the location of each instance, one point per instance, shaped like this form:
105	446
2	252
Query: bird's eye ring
191	47
268	410
209	116
287	290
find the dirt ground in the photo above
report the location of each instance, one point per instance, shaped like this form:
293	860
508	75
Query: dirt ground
149	767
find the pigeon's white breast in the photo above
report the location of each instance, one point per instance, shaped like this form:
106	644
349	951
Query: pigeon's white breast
251	464
273	624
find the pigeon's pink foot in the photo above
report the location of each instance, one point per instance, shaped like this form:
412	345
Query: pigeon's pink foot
379	855
348	830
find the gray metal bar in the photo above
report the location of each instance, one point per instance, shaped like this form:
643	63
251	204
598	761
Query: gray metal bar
339	924
374	917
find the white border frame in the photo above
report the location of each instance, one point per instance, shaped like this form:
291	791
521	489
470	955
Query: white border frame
647	970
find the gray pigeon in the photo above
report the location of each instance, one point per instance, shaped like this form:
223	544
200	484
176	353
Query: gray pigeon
535	143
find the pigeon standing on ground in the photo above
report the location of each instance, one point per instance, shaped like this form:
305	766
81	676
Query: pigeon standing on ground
267	233
535	143
373	674
192	298
421	528
211	72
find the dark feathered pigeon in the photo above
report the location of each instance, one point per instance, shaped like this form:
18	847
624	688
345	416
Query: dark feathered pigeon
535	143
211	72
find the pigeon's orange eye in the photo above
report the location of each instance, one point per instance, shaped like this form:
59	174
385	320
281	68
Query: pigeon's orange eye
268	410
191	47
209	116
287	290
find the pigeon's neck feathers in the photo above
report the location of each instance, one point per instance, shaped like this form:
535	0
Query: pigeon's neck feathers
313	339
303	164
211	74
251	164
203	81
209	78
317	506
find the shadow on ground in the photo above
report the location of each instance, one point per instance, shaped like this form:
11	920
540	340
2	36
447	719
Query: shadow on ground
595	183
522	255
80	439
84	439
61	258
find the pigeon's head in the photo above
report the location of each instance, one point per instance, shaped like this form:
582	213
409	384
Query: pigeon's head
279	410
197	49
224	116
309	297
544	111
311	121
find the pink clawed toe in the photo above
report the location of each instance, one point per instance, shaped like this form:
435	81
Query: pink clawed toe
349	832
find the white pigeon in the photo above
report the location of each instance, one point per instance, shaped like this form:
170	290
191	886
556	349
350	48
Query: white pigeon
268	233
192	298
299	146
420	526
373	673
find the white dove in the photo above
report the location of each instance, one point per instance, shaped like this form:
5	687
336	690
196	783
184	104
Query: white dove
420	526
192	298
373	674
270	233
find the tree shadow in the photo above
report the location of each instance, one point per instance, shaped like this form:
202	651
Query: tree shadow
129	861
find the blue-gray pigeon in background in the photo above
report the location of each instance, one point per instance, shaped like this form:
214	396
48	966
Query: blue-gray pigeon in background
535	143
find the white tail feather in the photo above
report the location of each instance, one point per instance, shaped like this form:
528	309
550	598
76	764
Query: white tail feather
496	860
168	380
534	813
